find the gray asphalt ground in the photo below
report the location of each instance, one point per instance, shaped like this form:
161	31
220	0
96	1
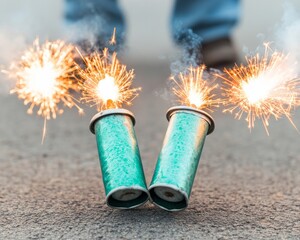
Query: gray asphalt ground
247	185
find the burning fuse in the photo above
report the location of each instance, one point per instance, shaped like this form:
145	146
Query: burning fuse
178	160
106	83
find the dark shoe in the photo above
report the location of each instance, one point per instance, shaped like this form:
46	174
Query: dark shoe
219	53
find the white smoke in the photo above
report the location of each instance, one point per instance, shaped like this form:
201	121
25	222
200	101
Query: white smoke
89	30
12	44
287	35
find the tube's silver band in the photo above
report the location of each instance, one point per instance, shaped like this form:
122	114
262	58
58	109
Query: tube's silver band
203	114
119	111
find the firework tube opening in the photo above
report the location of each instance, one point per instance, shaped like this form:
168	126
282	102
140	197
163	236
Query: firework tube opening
107	112
168	197
127	197
203	114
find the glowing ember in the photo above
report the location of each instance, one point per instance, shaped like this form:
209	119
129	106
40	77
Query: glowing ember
195	98
44	88
193	90
267	86
43	78
105	82
107	89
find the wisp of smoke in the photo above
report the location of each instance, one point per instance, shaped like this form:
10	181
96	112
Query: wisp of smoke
190	45
185	67
287	35
93	33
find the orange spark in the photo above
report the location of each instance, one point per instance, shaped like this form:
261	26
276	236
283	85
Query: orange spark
267	86
113	40
44	78
105	82
193	90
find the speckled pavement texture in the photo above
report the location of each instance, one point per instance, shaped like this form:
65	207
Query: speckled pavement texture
247	185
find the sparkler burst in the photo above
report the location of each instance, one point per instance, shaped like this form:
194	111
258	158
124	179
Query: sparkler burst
193	90
44	78
267	86
105	82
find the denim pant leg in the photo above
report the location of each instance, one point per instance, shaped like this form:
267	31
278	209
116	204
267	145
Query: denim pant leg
103	14
210	19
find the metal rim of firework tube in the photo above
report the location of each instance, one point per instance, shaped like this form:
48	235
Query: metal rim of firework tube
140	200
167	190
119	111
202	114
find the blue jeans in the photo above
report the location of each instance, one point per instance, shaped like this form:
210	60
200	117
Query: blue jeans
209	19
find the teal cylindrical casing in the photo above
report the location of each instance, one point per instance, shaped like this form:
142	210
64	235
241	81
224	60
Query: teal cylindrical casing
122	171
178	160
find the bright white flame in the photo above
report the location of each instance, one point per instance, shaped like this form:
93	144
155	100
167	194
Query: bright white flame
107	89
42	80
195	98
264	86
256	90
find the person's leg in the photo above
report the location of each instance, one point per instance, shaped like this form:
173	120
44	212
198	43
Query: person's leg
99	16
212	20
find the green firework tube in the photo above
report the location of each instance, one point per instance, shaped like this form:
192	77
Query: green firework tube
122	170
178	160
